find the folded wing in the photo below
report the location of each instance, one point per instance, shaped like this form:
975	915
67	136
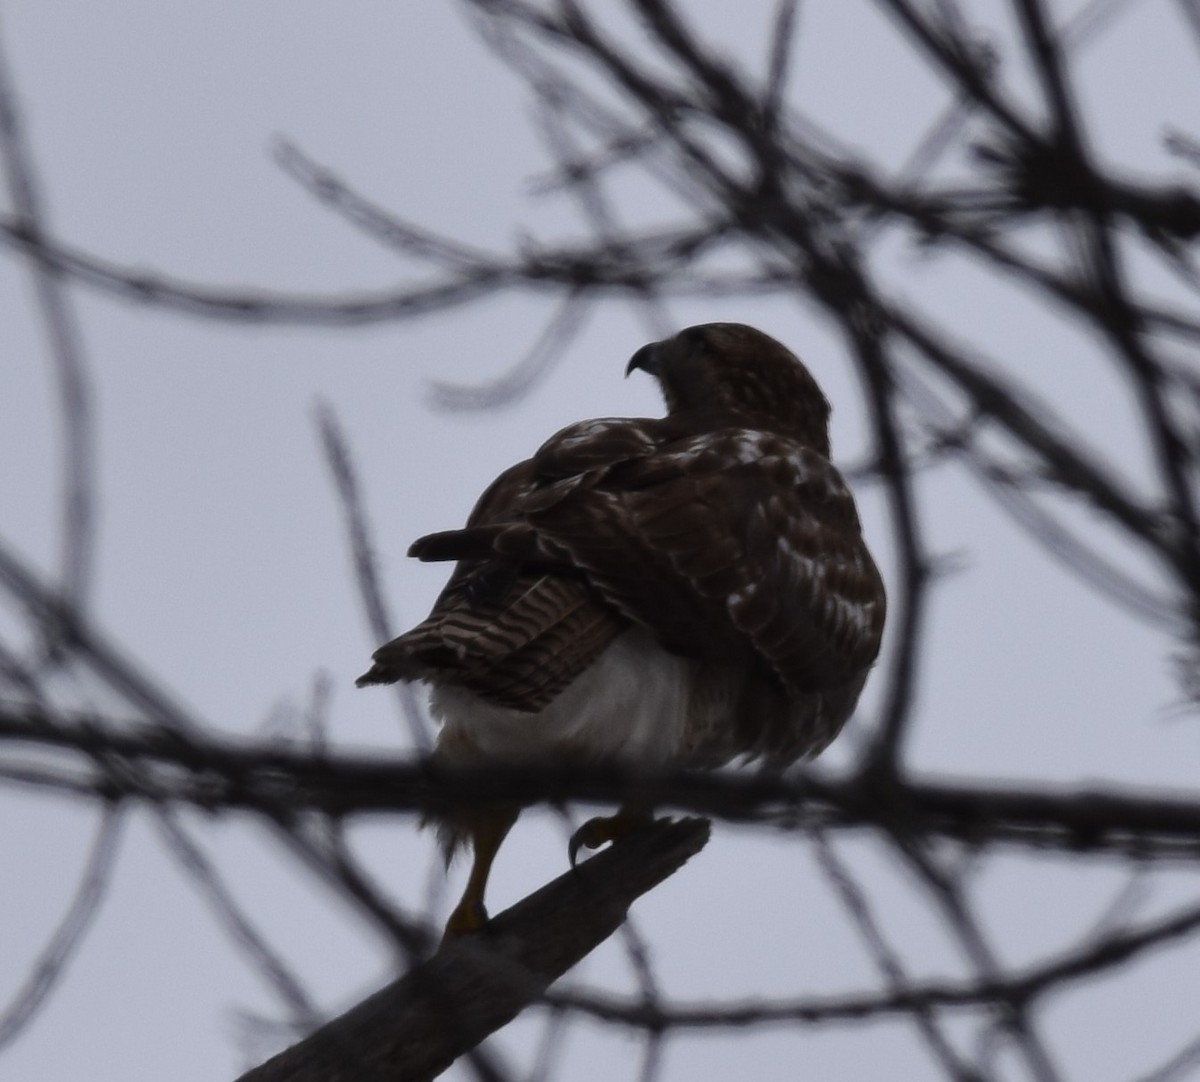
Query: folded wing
730	545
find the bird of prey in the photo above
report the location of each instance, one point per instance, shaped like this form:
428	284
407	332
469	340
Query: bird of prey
687	590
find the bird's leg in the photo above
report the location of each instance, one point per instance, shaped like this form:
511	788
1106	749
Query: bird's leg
629	819
487	832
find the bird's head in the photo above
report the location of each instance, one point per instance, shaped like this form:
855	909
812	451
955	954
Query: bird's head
732	374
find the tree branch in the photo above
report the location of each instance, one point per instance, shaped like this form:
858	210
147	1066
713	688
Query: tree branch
419	1024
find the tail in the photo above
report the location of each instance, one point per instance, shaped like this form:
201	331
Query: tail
383	672
380	673
417	654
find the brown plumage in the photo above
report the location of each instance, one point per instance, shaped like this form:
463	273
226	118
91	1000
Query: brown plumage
688	589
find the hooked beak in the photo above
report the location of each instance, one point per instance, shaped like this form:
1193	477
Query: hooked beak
647	359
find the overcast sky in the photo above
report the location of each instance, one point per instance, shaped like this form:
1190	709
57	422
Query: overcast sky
221	563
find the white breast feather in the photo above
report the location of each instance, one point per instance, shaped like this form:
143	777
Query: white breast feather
631	704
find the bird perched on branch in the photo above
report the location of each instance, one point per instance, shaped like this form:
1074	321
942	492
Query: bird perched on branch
677	591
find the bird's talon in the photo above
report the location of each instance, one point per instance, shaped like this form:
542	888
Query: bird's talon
466	919
604	828
591	835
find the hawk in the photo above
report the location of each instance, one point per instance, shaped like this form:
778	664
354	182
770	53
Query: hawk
685	590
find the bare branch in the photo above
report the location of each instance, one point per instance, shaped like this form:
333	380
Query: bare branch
54	959
416	1026
66	351
226	775
366	574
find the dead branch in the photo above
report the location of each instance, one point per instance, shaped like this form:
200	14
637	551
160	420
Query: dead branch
419	1024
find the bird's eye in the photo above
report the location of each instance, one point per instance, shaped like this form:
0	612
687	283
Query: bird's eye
695	338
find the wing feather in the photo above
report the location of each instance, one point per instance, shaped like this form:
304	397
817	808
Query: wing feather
729	544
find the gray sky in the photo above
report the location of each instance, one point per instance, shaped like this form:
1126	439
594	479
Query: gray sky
222	566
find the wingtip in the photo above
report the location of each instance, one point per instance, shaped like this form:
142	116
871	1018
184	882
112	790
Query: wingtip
469	543
374	675
436	547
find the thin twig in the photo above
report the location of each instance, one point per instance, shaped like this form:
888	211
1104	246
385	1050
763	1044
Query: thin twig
52	963
66	352
366	572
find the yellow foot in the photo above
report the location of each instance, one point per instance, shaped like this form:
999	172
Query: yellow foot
465	919
605	828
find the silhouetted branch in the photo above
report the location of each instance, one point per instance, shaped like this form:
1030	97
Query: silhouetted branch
418	1025
219	774
251	942
888	961
565	323
48	970
66	352
1023	987
366	574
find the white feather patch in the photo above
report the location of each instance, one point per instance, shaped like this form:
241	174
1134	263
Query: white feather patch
631	704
